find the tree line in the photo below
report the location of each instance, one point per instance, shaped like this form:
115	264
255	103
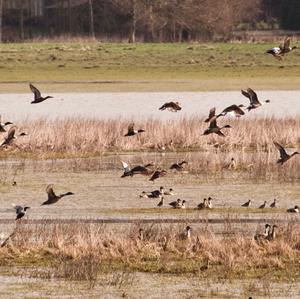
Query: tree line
142	20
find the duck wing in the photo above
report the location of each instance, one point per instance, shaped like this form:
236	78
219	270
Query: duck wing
212	113
50	192
252	96
11	133
37	93
131	128
286	43
283	153
213	123
19	209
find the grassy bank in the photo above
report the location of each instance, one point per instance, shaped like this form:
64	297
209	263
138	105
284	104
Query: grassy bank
140	67
83	252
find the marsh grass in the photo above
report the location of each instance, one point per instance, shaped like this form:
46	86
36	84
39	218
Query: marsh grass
82	252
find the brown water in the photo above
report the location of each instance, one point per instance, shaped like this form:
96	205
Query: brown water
139	105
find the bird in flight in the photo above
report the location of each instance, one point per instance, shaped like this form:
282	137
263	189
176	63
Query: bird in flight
132	131
284	156
171	106
20	211
214	128
252	96
52	197
279	52
11	136
37	95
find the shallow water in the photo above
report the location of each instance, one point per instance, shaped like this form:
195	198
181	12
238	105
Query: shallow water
139	105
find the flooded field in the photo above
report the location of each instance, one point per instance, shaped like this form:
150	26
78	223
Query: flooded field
139	105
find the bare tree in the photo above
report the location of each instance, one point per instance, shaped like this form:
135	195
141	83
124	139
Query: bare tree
91	18
1	14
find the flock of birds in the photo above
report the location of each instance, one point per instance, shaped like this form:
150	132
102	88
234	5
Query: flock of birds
155	173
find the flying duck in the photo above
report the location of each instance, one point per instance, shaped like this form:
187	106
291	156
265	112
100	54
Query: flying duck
157	174
178	166
171	106
233	110
52	197
11	136
263	205
280	51
252	96
37	95
284	156
260	237
274	203
247	204
213	128
143	170
212	113
20	211
3	125
293	210
132	131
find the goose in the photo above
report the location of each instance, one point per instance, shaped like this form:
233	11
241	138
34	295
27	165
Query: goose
171	106
280	51
3	125
231	165
11	136
212	114
202	205
37	95
259	237
52	197
247	204
272	235
186	234
20	211
143	170
263	205
213	128
161	203
293	210
252	96
182	206
274	203
132	131
175	204
170	192
178	166
144	195
157	174
209	203
233	110
284	156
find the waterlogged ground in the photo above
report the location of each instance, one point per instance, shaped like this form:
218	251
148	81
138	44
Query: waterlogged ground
140	105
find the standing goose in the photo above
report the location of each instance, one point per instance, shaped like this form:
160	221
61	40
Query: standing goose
252	96
143	170
52	197
132	131
20	211
178	166
37	95
280	51
284	156
263	205
171	106
247	204
293	210
157	174
212	114
233	110
3	125
11	136
274	203
213	128
260	237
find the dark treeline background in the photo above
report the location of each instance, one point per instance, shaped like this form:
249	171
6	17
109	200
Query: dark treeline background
144	20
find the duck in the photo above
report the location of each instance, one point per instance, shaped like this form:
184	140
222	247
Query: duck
209	203
202	205
295	209
213	128
144	194
247	204
175	204
186	234
252	96
178	166
157	174
182	206
3	125
171	106
142	170
52	197
11	136
231	165
263	205
37	95
161	203
284	156
233	110
260	237
272	234
283	49
274	203
157	193
212	114
170	192
20	211
131	131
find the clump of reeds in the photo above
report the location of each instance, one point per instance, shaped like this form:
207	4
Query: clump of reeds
82	251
